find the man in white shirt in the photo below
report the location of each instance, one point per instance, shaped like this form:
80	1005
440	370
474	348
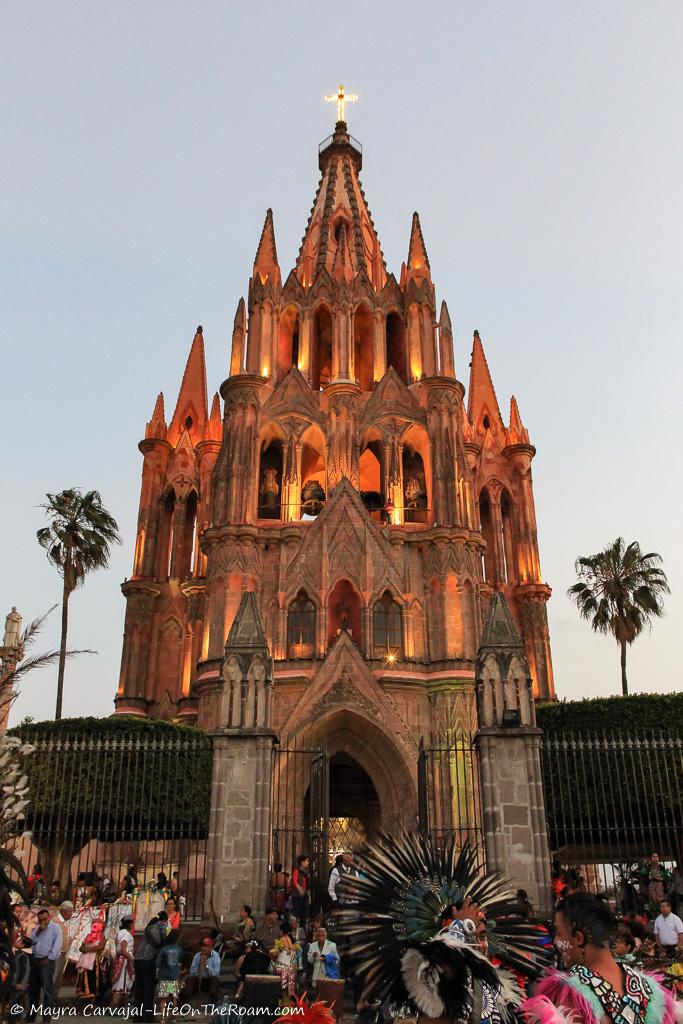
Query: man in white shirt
68	922
668	930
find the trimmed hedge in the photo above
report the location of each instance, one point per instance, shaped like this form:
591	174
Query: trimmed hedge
660	711
116	726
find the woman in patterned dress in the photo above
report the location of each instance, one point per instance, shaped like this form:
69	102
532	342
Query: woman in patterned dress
595	989
286	963
123	969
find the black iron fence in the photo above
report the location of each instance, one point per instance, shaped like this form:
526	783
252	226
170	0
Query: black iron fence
300	812
99	806
612	801
449	794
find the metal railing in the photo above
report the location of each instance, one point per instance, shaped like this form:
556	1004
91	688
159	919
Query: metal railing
449	794
612	800
98	805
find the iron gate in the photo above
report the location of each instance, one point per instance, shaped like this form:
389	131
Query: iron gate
612	800
300	812
98	805
449	795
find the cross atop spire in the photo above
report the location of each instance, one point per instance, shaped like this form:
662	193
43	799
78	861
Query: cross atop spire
341	99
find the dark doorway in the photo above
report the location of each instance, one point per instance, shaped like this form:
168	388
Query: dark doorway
354	805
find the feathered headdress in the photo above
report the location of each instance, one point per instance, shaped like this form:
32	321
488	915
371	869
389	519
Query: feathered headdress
392	926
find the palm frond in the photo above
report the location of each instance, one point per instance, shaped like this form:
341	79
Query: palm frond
41	661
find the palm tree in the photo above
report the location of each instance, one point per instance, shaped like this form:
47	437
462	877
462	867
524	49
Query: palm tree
77	541
620	590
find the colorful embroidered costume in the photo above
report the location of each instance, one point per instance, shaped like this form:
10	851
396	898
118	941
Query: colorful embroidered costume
582	995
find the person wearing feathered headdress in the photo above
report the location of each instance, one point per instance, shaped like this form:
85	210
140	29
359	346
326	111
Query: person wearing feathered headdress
595	989
396	943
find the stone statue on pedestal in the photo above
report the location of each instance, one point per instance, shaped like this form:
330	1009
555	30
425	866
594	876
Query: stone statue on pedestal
12	638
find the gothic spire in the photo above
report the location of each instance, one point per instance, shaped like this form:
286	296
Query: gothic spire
266	264
482	404
340	200
156	427
499	629
191	411
239	334
517	431
214	426
418	261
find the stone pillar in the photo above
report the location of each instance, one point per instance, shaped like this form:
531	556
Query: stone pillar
237	851
514	818
238	847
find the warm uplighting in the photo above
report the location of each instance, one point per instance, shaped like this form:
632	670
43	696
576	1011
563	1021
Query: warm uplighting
340	98
391	658
264	370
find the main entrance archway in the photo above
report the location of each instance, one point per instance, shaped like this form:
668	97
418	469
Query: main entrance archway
372	761
334	787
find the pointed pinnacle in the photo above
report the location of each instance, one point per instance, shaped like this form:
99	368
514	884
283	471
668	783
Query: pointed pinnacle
266	264
417	250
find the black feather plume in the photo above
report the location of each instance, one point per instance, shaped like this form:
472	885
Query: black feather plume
406	885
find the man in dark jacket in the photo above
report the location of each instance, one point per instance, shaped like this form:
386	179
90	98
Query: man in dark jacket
146	952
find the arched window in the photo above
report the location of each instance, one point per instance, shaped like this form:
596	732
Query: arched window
363	356
396	346
301	627
288	342
386	627
270	480
321	348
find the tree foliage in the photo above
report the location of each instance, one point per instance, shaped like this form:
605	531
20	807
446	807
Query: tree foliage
116	779
77	540
622	715
620	591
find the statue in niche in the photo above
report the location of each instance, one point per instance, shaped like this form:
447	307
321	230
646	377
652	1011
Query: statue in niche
415	496
312	499
270	488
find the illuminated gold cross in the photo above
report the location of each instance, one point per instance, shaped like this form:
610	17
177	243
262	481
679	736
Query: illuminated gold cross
340	99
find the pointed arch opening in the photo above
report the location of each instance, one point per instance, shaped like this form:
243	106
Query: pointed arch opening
396	346
165	542
387	628
416	476
321	348
363	348
509	545
313	473
270	479
185	543
344	612
354	805
486	520
301	627
288	342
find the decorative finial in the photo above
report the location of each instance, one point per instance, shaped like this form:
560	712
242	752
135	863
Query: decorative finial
476	334
200	329
341	98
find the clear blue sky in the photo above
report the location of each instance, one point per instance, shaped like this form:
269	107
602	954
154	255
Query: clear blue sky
542	145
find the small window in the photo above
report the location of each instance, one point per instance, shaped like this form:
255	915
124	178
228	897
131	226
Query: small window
487	423
188	422
386	622
301	627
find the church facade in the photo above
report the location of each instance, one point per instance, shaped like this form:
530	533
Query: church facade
371	504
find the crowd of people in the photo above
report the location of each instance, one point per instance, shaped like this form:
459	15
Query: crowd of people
127	943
